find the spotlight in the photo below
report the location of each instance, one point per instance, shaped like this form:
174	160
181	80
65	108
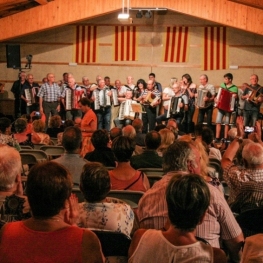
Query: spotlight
139	14
148	14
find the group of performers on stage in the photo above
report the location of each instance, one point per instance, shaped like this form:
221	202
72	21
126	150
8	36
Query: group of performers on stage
119	104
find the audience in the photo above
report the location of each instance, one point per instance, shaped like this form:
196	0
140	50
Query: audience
38	134
140	137
115	132
219	222
102	153
188	198
71	160
167	138
46	237
68	123
11	186
21	135
55	126
149	158
100	211
124	177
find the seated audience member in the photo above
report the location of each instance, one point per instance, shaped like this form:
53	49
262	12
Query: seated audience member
102	153
5	133
71	141
68	123
188	198
124	177
115	132
140	137
219	222
38	135
100	211
207	136
149	158
55	126
10	184
236	175
167	138
48	235
159	127
28	118
21	135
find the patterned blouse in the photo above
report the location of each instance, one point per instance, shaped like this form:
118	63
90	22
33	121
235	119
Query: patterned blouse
111	216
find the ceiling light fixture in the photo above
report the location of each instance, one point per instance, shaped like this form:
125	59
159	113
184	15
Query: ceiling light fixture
148	14
124	16
139	14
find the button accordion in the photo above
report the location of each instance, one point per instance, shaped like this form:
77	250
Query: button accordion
225	100
174	106
101	98
199	101
125	111
72	98
30	95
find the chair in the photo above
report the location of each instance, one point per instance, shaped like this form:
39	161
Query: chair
216	164
53	151
40	155
113	243
251	221
130	197
37	146
153	174
54	140
28	158
26	147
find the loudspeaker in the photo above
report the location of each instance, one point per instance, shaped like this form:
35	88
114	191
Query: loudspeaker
13	56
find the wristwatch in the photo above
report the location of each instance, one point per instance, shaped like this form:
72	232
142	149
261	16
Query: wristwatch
239	139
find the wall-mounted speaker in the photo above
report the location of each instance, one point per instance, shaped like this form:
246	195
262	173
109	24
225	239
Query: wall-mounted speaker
13	59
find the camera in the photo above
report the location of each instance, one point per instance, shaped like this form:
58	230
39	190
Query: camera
37	113
249	129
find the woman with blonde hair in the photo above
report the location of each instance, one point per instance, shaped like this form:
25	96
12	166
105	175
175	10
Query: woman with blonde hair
38	135
167	138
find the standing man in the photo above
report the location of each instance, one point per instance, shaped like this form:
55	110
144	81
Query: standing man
252	105
71	96
130	82
107	82
102	105
86	86
33	89
49	97
229	86
16	89
156	85
150	98
208	99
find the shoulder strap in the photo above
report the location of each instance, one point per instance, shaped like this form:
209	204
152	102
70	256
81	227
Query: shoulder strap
141	175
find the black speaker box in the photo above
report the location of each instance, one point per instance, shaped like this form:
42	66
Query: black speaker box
13	56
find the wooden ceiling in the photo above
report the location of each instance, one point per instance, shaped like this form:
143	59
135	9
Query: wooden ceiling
22	17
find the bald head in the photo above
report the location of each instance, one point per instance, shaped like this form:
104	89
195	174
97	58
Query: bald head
129	131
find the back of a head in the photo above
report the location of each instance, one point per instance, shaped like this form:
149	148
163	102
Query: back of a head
187	195
95	182
167	137
129	131
115	132
10	166
253	154
123	148
137	124
72	139
38	125
20	125
49	185
176	156
152	140
55	121
4	124
207	136
100	139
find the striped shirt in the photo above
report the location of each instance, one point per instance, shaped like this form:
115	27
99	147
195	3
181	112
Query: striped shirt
235	176
49	93
156	92
219	221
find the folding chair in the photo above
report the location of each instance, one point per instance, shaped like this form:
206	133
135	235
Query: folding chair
153	174
26	147
53	151
54	140
40	155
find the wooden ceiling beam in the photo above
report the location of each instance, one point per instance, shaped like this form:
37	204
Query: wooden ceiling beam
42	2
61	12
251	3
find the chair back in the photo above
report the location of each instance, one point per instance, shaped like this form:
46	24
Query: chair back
26	147
28	158
53	151
130	197
54	140
78	193
40	155
37	146
153	174
113	243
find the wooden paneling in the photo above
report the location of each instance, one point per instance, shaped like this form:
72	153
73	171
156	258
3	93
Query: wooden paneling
62	12
252	3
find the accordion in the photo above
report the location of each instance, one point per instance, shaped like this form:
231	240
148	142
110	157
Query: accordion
125	111
174	106
199	101
151	98
101	98
30	95
225	100
115	97
72	98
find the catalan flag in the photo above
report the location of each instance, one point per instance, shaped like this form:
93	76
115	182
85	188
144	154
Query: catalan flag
176	44
125	43
86	44
215	48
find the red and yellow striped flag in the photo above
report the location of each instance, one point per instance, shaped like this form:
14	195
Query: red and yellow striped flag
176	44
215	48
86	44
125	43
